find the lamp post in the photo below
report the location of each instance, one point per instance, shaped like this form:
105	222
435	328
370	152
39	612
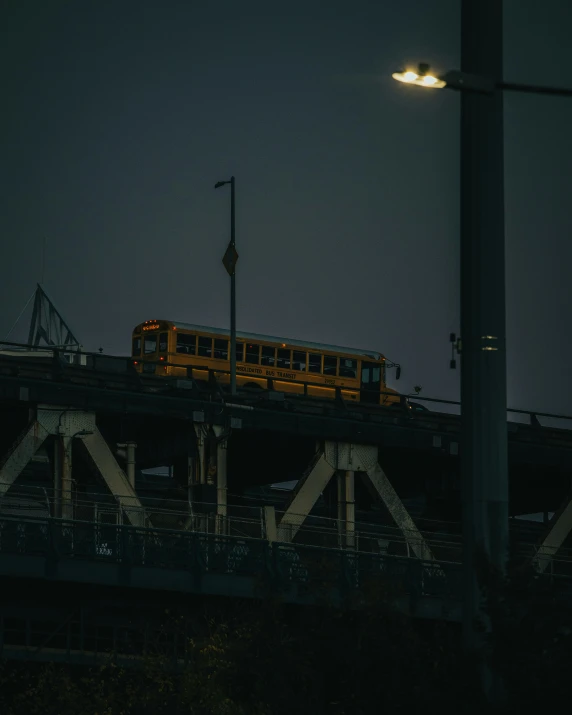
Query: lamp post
484	461
229	261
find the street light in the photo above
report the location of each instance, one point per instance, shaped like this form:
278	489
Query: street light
484	448
463	81
229	261
421	78
484	457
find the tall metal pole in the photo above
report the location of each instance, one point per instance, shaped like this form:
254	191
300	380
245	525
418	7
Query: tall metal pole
484	462
232	297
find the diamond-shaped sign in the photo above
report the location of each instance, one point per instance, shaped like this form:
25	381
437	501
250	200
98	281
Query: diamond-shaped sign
229	259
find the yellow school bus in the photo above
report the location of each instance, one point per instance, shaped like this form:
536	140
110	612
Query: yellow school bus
167	348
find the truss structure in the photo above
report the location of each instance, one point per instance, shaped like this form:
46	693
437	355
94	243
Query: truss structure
48	325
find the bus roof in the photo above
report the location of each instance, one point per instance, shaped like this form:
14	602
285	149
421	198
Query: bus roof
320	347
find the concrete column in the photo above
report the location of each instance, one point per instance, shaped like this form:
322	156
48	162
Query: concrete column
270	523
221	487
350	510
66	478
200	477
57	502
130	448
341	506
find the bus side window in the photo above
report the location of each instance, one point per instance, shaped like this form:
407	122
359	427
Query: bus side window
221	349
252	353
299	360
205	346
284	358
314	362
330	365
268	356
348	367
186	344
239	352
163	342
136	350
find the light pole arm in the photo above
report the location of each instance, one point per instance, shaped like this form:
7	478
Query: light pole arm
463	81
534	89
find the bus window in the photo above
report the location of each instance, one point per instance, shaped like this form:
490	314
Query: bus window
150	345
268	356
205	346
252	353
221	349
136	349
299	360
330	365
186	343
314	362
163	340
348	367
283	359
239	352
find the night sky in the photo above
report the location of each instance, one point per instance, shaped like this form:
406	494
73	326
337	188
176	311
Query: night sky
119	117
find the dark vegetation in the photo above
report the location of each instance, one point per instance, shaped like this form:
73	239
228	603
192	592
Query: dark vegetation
264	658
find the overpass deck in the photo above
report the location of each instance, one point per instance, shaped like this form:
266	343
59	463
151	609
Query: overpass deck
110	385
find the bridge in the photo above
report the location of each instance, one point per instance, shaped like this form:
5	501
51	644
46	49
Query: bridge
376	504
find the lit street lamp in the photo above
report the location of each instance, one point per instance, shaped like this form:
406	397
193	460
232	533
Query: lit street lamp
484	453
229	261
463	81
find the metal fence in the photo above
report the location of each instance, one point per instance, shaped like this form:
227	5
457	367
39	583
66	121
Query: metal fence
282	565
109	511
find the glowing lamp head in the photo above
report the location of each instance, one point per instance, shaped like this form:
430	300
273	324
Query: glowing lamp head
422	78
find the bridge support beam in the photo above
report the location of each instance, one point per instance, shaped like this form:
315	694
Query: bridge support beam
399	513
558	529
128	448
114	476
304	497
349	458
221	480
66	425
22	452
350	509
200	471
66	477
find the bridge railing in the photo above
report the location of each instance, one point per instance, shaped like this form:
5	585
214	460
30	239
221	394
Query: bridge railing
105	510
241	521
312	570
309	568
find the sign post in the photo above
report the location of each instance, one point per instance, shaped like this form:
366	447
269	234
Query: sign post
229	261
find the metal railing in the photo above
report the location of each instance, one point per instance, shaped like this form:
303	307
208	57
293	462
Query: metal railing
308	567
240	521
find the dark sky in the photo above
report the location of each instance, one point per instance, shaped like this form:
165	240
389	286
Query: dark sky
119	117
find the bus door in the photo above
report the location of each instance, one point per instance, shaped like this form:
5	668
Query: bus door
370	382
